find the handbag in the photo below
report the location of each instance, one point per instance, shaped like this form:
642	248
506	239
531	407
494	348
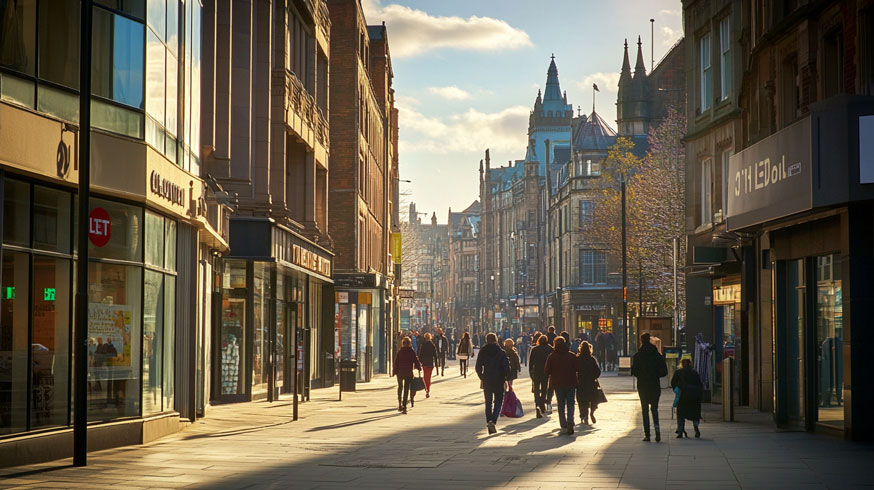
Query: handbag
418	384
600	397
511	407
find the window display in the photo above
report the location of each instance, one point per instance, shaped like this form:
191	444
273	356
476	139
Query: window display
13	343
50	341
829	341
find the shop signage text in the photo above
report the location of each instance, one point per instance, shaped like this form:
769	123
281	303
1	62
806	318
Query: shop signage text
99	227
726	294
590	307
166	189
772	178
310	261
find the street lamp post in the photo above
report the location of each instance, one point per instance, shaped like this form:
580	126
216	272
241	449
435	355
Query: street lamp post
625	330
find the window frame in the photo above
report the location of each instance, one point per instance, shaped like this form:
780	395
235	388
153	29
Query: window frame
725	57
705	203
705	72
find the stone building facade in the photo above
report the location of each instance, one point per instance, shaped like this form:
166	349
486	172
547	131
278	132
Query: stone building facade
463	299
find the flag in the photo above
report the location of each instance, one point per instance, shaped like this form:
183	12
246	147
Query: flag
595	86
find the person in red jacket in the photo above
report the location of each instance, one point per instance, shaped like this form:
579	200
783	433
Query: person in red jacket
561	367
405	360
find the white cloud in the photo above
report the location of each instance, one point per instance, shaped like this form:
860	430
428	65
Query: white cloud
670	12
413	32
471	130
670	36
607	82
451	92
402	101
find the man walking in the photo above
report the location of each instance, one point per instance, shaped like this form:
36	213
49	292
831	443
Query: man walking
551	335
493	368
539	380
648	366
442	344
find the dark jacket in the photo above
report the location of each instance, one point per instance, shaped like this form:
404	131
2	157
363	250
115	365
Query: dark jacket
587	378
465	346
515	362
561	367
691	388
537	360
551	336
648	366
405	359
441	349
492	366
428	353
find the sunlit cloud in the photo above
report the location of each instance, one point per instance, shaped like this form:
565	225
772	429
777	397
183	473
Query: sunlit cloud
451	92
670	36
468	131
413	32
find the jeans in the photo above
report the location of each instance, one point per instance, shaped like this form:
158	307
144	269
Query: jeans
566	399
494	398
428	371
646	406
404	388
681	424
541	389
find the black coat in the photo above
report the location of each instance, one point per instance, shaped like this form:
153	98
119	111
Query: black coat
441	352
588	373
691	388
515	362
427	353
492	366
537	360
648	366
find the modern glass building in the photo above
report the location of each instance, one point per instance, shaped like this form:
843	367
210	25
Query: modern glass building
154	228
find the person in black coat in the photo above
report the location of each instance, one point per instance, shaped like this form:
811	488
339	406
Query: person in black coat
442	344
588	373
493	368
689	405
648	366
515	363
539	379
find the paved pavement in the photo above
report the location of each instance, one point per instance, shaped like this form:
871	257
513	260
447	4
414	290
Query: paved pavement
364	443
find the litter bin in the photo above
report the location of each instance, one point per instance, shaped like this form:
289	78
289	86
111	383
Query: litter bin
348	374
329	371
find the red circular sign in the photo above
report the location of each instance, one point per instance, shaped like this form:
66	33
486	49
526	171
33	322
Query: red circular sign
99	227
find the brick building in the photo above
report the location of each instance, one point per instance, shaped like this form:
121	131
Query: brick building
463	281
362	186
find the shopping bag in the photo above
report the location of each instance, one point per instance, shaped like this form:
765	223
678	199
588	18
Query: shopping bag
600	397
519	412
511	405
418	384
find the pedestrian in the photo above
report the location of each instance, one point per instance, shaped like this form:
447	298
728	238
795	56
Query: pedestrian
463	353
428	357
524	348
588	373
442	345
493	368
567	337
648	366
515	364
601	345
551	335
414	338
536	369
561	367
690	386
405	360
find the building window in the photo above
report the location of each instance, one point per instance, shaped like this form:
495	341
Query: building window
706	205
723	187
725	57
162	76
593	169
593	267
706	73
587	208
833	63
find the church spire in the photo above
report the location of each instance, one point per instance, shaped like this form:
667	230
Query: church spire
553	89
626	66
639	67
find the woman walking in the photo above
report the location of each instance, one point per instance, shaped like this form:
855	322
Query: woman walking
405	360
689	404
428	358
463	353
515	363
587	382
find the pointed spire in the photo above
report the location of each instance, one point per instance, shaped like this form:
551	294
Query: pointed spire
626	66
640	66
553	89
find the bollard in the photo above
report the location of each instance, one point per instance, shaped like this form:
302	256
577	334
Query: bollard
728	389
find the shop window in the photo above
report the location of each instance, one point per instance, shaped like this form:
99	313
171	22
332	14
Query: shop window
260	338
153	342
169	342
50	342
829	341
13	342
154	239
124	230
114	340
170	245
233	328
16	213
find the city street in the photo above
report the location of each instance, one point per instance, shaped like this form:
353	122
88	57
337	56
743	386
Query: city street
363	443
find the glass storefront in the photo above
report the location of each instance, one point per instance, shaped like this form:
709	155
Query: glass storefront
131	309
829	341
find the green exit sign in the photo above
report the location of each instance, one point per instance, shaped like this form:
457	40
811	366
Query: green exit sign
9	292
48	294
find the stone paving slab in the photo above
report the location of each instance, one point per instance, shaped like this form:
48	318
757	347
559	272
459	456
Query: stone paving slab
363	443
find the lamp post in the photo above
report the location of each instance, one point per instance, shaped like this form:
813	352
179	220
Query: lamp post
625	330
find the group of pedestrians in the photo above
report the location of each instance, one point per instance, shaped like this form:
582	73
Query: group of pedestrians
423	352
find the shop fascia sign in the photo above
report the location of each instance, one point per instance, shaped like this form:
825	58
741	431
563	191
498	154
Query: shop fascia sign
772	178
590	307
167	189
310	261
726	294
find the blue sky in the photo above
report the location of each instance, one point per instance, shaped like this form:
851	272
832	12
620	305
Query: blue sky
467	73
